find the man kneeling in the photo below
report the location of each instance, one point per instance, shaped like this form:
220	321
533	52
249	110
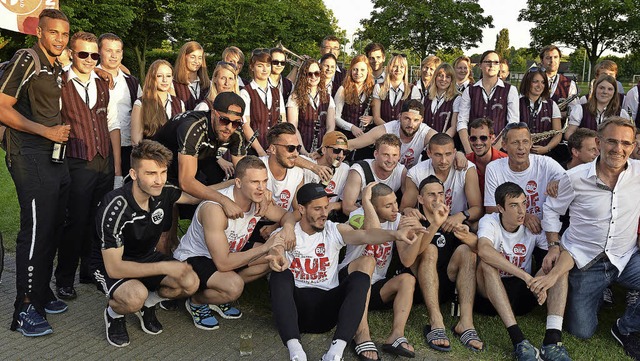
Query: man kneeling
218	250
129	222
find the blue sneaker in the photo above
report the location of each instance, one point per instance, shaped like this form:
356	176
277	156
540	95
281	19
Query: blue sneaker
227	311
55	306
202	315
525	351
32	324
554	352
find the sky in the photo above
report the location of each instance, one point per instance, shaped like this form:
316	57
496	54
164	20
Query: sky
349	13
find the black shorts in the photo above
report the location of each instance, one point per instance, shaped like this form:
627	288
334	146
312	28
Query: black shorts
375	300
521	299
204	267
109	285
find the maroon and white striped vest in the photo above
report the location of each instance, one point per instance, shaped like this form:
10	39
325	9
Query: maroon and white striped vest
590	120
437	120
541	122
562	90
263	118
184	93
495	109
307	121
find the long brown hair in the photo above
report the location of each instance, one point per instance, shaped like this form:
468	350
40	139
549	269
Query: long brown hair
450	93
614	103
301	88
351	95
153	113
182	73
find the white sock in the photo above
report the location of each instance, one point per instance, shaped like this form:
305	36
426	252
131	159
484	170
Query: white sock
295	350
554	322
153	299
336	349
112	313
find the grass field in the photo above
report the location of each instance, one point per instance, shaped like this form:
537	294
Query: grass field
491	330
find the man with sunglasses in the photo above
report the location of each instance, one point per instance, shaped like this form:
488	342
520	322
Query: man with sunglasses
600	245
92	144
197	139
276	80
481	138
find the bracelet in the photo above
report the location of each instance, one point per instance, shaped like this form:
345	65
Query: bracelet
553	243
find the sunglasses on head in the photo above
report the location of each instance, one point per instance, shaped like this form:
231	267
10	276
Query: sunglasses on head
85	54
483	138
313	74
290	148
224	121
535	69
259	51
227	63
278	62
339	150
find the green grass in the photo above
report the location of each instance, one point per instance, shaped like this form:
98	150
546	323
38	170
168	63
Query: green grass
255	299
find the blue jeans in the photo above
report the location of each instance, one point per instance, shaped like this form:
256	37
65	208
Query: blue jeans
585	296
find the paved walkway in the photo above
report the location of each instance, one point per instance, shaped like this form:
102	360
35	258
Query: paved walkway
79	334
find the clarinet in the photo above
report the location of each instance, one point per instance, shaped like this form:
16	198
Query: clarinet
255	135
316	135
365	113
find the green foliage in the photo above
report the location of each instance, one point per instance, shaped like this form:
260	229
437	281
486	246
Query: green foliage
426	26
448	56
502	43
595	25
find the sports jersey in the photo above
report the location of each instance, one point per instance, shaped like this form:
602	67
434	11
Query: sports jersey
337	182
394	180
409	152
283	190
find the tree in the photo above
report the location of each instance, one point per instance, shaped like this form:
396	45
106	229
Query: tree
595	25
425	26
502	43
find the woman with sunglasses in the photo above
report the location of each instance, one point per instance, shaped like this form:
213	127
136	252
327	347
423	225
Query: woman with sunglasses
191	82
264	104
389	96
427	69
156	106
353	103
441	101
538	110
464	75
276	80
311	109
603	103
488	97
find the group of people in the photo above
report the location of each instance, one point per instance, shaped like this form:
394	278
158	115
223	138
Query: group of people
469	183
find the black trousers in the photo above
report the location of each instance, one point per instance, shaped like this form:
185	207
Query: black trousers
43	188
312	310
90	181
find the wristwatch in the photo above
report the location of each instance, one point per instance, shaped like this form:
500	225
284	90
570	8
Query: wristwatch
553	243
466	215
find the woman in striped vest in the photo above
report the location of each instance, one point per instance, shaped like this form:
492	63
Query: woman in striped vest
310	108
264	104
427	69
604	103
389	96
353	103
538	110
156	106
441	102
464	77
191	81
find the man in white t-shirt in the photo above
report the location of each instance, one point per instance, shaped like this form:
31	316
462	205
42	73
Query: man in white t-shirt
413	133
462	192
217	247
308	297
505	274
380	210
531	172
443	262
384	168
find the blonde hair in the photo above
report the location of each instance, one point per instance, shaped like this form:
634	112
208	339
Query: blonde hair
182	73
213	91
452	91
386	85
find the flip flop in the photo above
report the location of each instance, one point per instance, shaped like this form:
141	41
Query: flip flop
466	337
397	349
363	347
436	334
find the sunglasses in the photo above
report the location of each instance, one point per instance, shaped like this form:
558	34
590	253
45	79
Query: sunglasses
311	74
290	148
339	150
84	55
491	63
535	69
224	121
227	63
483	138
278	62
261	51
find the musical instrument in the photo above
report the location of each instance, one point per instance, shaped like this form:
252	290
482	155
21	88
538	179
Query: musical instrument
565	102
316	129
538	137
365	114
255	136
295	63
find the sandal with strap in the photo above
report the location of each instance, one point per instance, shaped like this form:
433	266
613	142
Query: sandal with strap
365	346
397	349
434	335
466	337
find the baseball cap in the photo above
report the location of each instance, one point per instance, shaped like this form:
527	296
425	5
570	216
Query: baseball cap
224	100
310	192
413	105
334	138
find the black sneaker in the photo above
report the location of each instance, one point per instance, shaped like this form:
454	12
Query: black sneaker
66	293
148	320
630	343
169	305
116	330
